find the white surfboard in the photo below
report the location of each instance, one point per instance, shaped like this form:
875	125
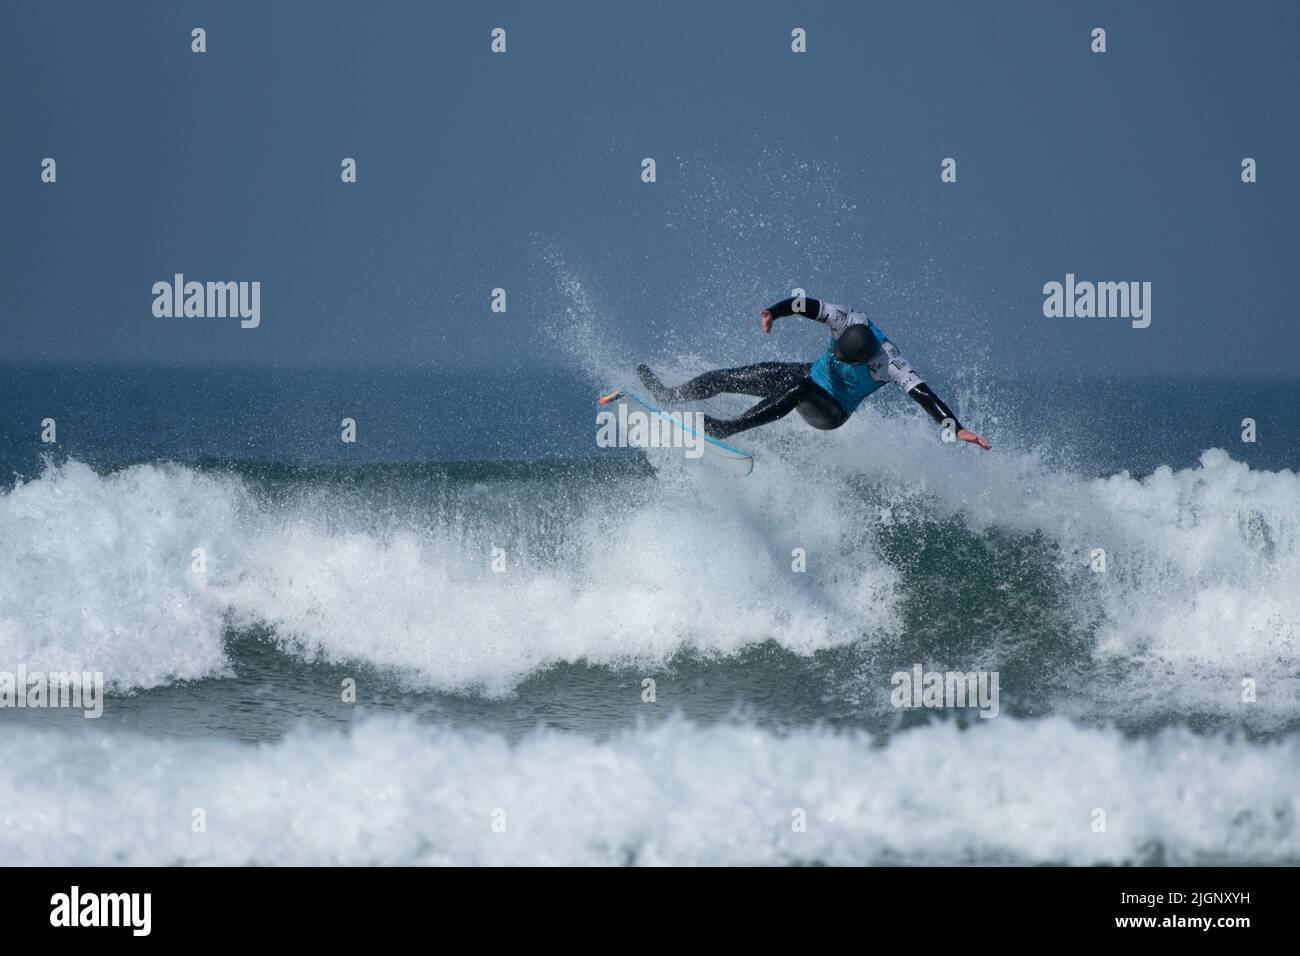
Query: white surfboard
730	459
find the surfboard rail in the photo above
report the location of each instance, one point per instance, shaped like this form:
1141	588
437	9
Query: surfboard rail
730	458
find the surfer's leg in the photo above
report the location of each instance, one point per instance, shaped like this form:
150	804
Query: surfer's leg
761	380
815	404
820	409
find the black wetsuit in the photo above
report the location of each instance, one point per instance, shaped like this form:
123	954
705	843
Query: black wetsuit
792	386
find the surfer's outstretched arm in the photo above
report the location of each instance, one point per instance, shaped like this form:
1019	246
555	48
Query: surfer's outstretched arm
803	305
838	317
942	414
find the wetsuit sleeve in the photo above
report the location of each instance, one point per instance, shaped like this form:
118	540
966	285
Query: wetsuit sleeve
933	405
888	365
811	308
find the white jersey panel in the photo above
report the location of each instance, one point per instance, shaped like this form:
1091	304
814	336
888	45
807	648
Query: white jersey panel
889	366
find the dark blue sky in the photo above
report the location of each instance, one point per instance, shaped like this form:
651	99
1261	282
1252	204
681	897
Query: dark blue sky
774	169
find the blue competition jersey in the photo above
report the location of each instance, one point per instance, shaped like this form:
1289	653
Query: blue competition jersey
850	384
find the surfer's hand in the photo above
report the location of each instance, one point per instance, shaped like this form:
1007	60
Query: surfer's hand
967	435
766	316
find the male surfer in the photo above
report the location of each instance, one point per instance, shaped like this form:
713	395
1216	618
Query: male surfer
857	361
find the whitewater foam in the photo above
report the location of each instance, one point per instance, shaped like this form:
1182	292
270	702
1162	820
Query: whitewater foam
636	582
1200	591
96	569
393	792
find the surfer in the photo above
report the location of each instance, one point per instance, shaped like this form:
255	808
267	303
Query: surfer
858	360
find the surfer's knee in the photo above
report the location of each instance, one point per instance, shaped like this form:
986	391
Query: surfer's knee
826	425
819	408
822	423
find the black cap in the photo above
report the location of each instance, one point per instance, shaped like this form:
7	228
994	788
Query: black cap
856	344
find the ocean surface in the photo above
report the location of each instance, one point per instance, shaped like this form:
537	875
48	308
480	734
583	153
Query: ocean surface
500	590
